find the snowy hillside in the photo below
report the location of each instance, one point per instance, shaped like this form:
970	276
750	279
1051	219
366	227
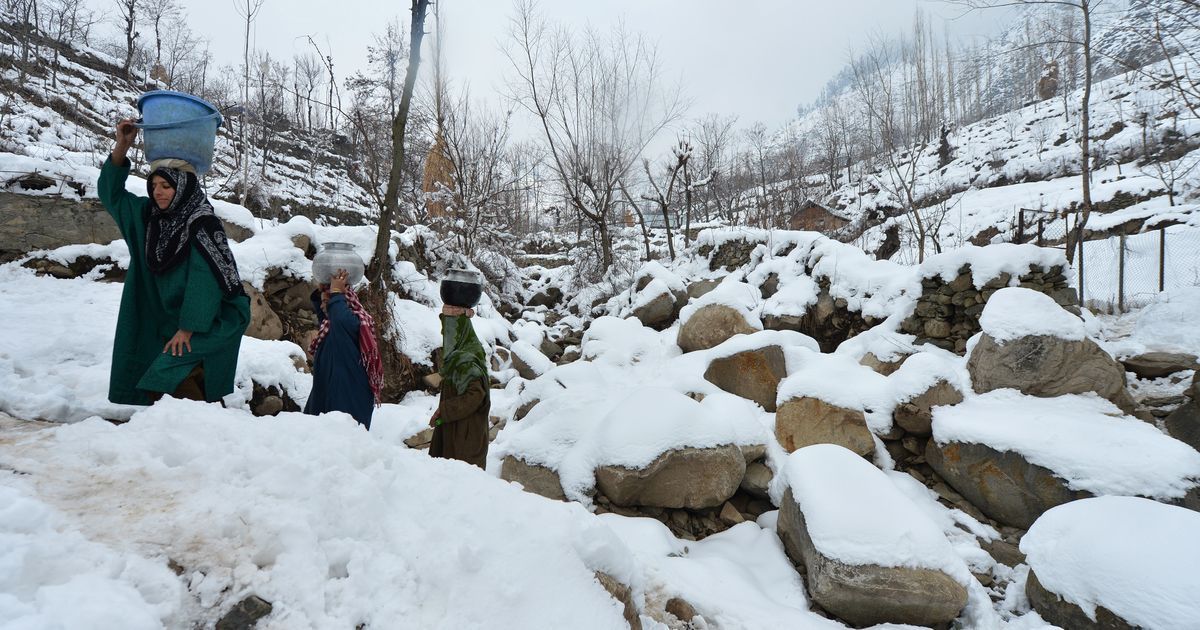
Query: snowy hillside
56	118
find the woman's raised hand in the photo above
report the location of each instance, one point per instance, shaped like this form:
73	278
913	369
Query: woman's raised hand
126	134
337	282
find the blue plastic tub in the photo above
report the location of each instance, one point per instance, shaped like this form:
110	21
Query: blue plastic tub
180	126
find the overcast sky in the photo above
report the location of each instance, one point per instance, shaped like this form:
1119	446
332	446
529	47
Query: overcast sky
758	59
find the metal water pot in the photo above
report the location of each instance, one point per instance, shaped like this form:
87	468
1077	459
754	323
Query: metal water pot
462	287
334	256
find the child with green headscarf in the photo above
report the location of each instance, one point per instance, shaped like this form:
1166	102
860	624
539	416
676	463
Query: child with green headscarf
460	424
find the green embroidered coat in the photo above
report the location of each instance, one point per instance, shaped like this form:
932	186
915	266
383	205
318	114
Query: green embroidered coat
154	307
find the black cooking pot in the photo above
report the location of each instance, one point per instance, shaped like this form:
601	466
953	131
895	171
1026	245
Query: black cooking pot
462	287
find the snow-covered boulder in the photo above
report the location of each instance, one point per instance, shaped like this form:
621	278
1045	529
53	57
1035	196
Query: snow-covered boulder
727	310
1151	365
926	380
872	556
533	478
692	478
700	288
805	421
752	374
710	325
659	296
1184	424
786	307
1015	456
646	446
655	305
1031	344
1115	562
528	361
830	399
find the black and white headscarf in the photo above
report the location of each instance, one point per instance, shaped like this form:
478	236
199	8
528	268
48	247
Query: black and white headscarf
189	218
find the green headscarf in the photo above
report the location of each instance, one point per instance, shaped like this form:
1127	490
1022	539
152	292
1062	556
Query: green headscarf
463	358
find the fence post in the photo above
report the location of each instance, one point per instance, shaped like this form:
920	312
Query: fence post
1020	226
1040	241
1121	277
1080	259
1162	258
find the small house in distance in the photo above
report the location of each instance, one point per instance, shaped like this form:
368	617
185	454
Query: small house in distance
815	217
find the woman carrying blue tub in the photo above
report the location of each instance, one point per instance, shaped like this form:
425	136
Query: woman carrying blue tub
183	310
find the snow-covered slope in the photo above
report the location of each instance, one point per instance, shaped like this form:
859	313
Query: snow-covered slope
57	114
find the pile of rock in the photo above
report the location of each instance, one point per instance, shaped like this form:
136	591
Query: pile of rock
729	255
947	313
829	320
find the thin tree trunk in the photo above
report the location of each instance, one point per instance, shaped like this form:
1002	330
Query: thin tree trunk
1085	119
399	124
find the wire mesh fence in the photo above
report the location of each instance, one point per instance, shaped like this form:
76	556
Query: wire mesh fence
1120	273
1125	272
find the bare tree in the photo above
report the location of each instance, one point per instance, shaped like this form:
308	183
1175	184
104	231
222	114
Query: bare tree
714	137
309	71
878	89
663	189
183	54
248	9
129	21
67	21
484	179
156	12
599	103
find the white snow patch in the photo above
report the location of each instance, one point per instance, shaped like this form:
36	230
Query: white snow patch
1015	312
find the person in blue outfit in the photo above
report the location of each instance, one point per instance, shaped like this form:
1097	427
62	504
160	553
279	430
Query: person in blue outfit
347	370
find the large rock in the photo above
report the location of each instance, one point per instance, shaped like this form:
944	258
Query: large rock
801	422
533	478
710	326
29	223
692	478
1184	424
658	312
885	368
699	288
1064	614
1159	364
528	361
757	481
548	298
916	415
751	374
239	233
1003	484
264	323
869	594
1046	366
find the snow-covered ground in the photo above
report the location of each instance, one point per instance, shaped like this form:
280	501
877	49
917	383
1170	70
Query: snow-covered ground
334	525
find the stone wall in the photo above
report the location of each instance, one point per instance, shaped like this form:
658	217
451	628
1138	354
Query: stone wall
947	313
729	255
29	223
